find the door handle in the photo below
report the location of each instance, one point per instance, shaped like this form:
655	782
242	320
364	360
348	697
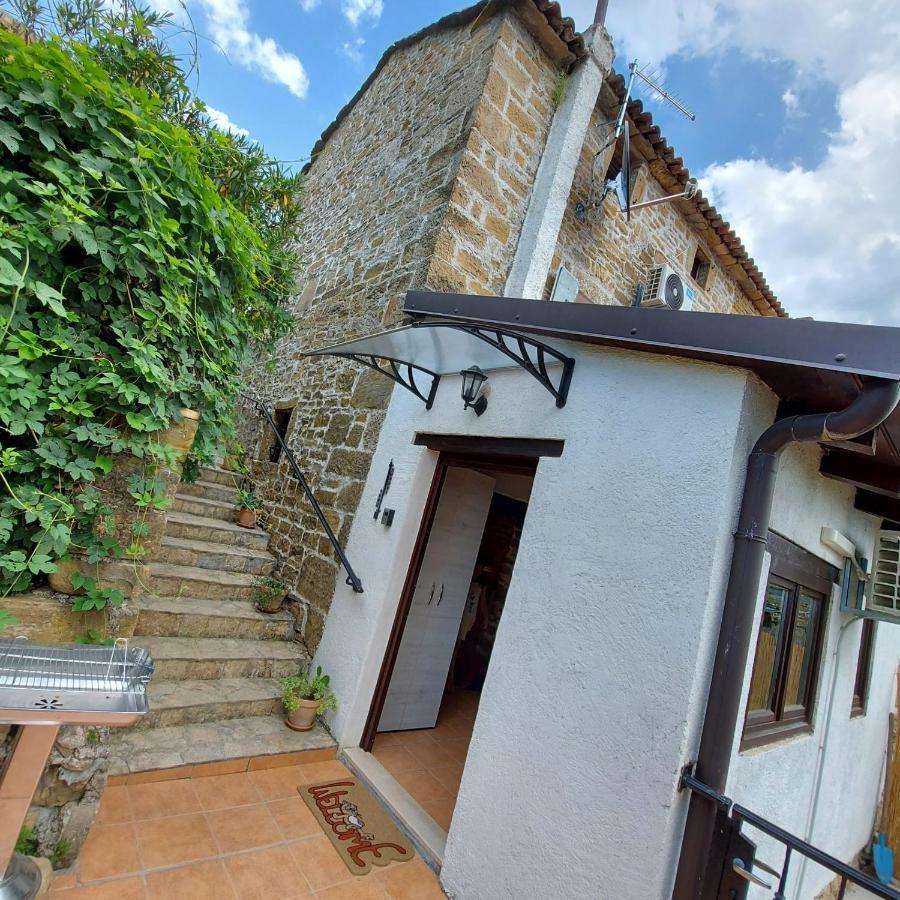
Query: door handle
441	595
431	595
741	869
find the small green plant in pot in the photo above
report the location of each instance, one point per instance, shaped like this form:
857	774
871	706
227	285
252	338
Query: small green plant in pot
270	594
248	504
304	697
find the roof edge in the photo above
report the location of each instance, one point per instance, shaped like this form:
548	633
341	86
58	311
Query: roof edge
561	26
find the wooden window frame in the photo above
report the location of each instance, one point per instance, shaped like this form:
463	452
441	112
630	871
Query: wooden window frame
800	573
707	266
863	678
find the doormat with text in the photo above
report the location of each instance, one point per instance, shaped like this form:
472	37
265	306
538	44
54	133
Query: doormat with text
357	824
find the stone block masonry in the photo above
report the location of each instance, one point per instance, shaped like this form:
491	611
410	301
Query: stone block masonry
376	200
424	182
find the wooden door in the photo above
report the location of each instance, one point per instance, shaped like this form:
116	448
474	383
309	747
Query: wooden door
426	648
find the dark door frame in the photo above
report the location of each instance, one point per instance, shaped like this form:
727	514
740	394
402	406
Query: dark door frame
482	455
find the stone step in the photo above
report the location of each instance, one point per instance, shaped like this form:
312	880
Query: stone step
166	580
187	658
132	751
220	476
200	506
214	555
197	700
203	618
203	528
209	491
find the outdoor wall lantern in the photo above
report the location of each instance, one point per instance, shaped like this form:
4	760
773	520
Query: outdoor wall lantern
473	381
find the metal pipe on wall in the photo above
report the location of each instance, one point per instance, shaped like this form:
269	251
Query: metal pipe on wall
872	406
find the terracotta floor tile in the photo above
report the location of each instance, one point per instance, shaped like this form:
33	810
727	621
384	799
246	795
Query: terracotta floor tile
109	850
323	771
422	785
120	889
269	874
293	818
432	755
223	791
200	881
389	739
412	880
225	767
174	840
278	783
115	807
243	828
361	888
63	881
163	798
449	776
320	863
441	810
398	760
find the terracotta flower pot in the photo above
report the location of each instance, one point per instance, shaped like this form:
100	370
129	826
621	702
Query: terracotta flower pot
272	604
246	518
303	718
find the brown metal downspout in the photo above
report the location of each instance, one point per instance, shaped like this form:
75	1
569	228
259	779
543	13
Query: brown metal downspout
872	406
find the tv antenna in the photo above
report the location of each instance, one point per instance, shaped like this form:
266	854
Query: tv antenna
622	185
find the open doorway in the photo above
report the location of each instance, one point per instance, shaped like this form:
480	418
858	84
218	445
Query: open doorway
422	723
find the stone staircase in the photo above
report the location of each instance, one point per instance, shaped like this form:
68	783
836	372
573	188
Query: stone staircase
215	694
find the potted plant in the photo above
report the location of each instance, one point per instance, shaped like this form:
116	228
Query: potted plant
270	595
248	504
304	697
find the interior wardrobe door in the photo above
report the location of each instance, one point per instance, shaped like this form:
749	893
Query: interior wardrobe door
426	648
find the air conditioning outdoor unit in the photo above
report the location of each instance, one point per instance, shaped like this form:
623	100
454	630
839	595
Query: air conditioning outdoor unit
873	591
666	288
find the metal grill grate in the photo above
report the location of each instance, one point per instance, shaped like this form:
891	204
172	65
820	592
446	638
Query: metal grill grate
70	682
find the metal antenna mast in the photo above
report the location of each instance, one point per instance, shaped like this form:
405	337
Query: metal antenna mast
652	81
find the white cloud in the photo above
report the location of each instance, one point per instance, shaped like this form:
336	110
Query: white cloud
223	122
307	5
791	101
356	10
352	49
228	24
827	236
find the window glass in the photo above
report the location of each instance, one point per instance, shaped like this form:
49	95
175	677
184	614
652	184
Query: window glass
802	652
768	650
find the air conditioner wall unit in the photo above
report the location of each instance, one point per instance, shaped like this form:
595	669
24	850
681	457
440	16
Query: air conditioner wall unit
668	289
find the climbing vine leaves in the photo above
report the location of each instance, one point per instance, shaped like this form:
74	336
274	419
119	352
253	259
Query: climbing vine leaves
131	285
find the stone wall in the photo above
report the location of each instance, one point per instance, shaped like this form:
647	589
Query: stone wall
475	248
424	183
374	200
610	256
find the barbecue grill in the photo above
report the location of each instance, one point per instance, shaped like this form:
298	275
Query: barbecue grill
42	688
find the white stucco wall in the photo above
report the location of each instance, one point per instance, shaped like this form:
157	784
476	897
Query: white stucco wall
598	680
586	717
778	781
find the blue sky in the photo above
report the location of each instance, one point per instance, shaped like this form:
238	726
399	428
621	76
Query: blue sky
797	102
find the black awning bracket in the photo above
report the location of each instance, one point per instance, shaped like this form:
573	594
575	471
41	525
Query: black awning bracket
435	347
393	368
500	339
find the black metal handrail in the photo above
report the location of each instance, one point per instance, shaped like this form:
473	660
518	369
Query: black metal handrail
352	577
792	843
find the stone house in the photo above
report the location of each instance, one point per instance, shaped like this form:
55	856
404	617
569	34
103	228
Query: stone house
459	166
639	551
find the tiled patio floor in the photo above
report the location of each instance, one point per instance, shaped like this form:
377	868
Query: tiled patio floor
243	835
429	762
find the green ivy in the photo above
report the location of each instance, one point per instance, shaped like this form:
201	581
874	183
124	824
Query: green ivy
138	263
